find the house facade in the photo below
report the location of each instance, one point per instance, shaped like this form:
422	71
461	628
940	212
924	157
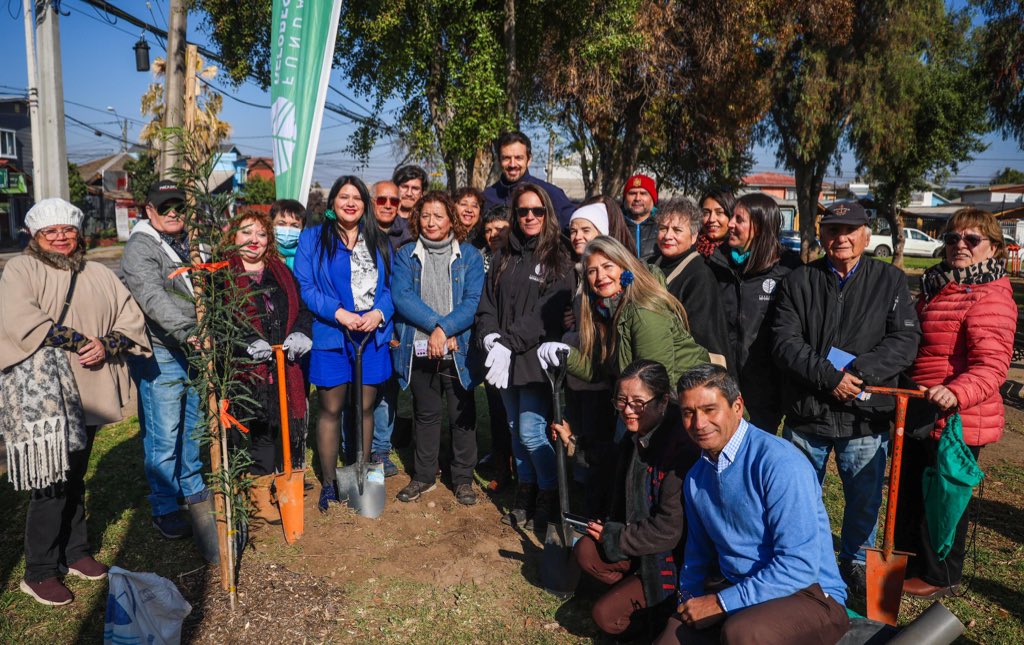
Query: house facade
15	166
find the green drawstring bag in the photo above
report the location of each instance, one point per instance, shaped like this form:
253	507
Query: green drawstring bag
948	486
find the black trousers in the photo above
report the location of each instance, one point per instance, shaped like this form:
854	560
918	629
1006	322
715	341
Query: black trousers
55	531
263	443
501	438
430	380
911	532
593	418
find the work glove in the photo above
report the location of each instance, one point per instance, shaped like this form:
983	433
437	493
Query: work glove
499	362
297	345
489	341
548	354
260	350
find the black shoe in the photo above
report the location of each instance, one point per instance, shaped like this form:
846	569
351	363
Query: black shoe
412	492
172	526
547	510
523	508
465	495
855	575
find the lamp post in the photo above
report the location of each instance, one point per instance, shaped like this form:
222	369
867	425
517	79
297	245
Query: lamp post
124	127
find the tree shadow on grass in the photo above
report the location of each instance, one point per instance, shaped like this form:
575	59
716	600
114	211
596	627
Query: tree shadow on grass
1001	518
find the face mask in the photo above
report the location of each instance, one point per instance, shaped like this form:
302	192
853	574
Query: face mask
287	237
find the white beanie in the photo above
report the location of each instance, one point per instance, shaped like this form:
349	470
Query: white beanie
53	211
595	213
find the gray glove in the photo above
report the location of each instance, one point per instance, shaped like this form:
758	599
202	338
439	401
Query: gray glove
297	345
260	350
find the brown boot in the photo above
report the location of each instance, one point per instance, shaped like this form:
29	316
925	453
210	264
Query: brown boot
264	503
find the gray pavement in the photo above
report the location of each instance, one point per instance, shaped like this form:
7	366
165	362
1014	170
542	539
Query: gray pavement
109	256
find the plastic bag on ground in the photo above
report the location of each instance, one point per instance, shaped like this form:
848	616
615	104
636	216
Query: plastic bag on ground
143	608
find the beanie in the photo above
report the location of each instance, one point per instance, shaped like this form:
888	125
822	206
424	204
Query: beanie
53	211
641	181
596	214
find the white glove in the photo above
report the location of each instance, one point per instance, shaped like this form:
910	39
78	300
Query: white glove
260	350
548	354
499	362
297	345
489	341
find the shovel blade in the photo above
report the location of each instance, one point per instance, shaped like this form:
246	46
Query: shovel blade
289	502
885	585
559	572
365	495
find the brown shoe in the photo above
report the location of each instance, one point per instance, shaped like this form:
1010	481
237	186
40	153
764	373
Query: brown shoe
50	592
88	568
921	589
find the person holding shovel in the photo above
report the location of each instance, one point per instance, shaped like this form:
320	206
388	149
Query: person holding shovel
638	547
968	319
437	289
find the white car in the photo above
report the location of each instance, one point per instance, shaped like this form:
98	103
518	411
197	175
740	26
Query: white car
917	243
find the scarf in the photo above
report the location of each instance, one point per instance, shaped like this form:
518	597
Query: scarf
607	307
739	258
706	246
936	278
266	372
73	262
288	254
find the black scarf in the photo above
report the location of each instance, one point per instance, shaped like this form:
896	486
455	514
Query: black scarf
936	278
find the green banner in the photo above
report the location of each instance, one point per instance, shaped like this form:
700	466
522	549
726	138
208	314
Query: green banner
302	36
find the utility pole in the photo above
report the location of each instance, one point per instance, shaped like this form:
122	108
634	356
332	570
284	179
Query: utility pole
174	82
51	173
33	100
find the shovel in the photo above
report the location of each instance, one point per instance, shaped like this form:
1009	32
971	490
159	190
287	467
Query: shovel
559	571
361	484
289	484
886	569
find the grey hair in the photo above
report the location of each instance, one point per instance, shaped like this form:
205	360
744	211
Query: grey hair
683	208
712	376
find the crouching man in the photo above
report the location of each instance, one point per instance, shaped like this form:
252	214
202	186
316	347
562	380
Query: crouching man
754	515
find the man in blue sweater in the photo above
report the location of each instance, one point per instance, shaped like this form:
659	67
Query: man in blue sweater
514	154
753	513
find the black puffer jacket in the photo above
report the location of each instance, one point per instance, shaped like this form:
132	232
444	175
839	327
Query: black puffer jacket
748	302
525	307
696	287
872	317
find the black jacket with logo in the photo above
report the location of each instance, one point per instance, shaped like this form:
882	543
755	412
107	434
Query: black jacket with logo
748	301
872	317
698	290
524	307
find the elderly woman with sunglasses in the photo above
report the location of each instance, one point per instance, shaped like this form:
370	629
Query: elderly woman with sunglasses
968	318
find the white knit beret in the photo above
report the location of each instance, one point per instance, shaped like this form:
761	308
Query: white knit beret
53	211
595	213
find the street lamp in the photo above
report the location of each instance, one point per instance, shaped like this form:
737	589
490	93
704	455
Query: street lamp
124	128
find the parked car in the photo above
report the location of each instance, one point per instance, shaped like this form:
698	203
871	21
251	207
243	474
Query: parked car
791	241
917	244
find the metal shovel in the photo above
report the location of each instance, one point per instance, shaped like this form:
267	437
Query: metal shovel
361	485
289	483
886	568
559	571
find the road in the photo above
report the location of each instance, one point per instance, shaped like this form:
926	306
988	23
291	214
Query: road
109	256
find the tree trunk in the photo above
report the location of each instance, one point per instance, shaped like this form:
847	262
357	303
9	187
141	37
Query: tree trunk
808	186
891	212
483	171
619	159
511	72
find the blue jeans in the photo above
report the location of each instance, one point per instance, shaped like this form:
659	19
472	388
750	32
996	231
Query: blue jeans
861	462
168	415
528	408
384	415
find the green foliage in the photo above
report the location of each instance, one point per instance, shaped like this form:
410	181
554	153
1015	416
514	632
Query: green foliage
141	175
1000	44
77	186
241	31
1007	176
259	191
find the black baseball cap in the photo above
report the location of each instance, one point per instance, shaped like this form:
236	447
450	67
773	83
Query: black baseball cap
163	193
850	213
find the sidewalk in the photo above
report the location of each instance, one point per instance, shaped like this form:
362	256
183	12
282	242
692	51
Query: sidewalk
107	255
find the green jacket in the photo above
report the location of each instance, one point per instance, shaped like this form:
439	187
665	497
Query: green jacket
643	333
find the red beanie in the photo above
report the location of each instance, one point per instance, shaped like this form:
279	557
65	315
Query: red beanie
641	181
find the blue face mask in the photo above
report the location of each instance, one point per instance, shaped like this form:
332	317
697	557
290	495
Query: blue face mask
287	237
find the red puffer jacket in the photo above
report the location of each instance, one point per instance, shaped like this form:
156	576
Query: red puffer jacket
966	345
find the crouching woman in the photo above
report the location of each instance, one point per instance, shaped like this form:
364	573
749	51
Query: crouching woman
637	549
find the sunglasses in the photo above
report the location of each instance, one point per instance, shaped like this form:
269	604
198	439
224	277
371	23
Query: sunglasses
384	201
539	211
972	240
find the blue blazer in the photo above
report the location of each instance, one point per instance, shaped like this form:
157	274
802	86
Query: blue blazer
325	287
411	313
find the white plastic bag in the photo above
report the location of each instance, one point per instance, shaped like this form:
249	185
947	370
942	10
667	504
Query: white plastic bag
143	608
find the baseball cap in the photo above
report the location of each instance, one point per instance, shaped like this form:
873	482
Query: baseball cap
164	192
850	213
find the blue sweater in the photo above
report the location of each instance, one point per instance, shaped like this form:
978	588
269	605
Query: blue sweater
764	521
499	193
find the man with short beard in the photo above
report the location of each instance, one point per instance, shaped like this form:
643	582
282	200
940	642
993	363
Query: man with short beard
514	154
639	198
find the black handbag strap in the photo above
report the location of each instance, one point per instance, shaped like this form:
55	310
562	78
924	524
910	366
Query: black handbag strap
67	300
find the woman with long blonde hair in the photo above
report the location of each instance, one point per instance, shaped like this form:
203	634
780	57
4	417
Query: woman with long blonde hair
626	314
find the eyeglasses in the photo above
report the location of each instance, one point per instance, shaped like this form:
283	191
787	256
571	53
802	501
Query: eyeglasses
384	201
972	240
636	405
52	234
539	211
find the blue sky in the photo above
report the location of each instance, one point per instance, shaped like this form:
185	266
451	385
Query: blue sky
99	71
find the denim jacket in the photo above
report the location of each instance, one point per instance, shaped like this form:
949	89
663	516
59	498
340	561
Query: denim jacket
321	297
466	269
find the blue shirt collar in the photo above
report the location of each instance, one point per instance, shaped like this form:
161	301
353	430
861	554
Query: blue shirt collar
728	454
841	279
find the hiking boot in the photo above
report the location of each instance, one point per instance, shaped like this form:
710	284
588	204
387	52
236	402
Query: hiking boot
328	494
88	569
51	592
390	469
547	510
465	495
172	526
523	508
414	489
855	575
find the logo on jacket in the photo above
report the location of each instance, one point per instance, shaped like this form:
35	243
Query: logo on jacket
538	272
768	285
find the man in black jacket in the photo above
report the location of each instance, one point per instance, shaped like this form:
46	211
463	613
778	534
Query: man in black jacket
844	322
639	202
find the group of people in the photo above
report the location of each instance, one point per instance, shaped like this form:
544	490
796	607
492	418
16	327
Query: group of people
711	375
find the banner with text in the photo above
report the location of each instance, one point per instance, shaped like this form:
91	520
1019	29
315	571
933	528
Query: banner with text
302	36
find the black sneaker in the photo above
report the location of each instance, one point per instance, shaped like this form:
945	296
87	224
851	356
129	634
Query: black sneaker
465	495
412	492
172	526
390	469
855	575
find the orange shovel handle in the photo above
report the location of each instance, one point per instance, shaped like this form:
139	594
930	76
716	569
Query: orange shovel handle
282	393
